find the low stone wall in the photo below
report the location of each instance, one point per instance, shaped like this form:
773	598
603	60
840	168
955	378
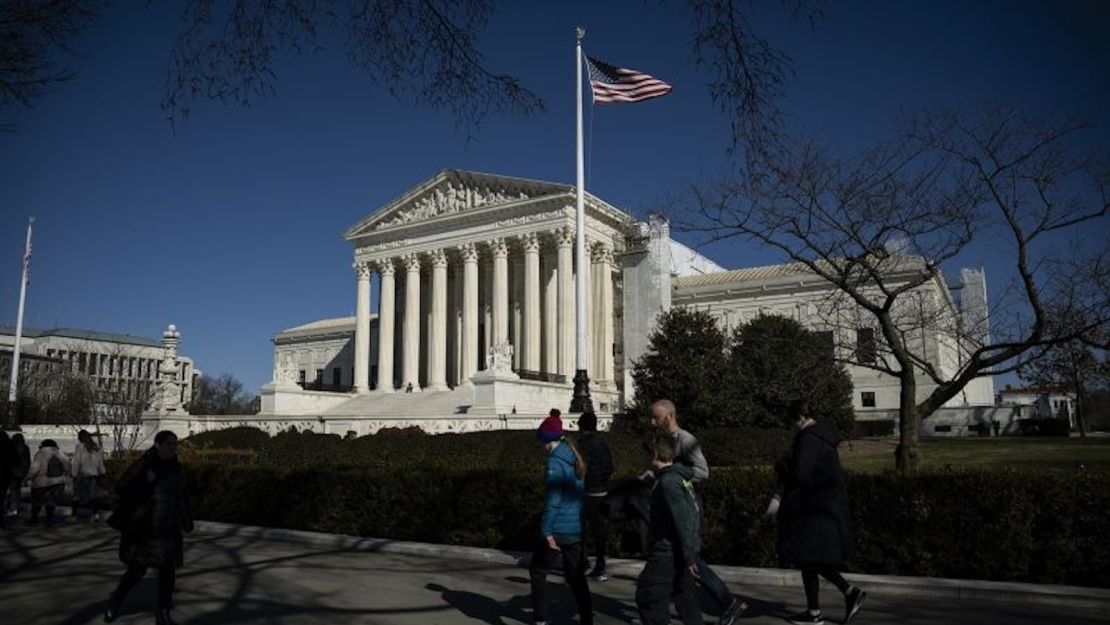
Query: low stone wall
961	421
297	401
137	436
442	424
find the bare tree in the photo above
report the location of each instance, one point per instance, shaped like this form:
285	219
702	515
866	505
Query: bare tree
1072	367
34	36
422	48
427	50
880	226
750	74
223	395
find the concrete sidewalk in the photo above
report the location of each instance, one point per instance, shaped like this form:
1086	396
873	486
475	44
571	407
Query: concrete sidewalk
61	576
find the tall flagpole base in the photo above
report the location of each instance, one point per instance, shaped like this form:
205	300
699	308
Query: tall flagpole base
581	401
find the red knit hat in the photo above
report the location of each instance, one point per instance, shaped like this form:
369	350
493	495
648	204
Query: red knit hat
550	430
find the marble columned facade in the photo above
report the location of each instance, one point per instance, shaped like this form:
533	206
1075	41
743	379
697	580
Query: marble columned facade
545	324
474	279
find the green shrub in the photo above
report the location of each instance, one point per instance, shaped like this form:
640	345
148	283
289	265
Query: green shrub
985	524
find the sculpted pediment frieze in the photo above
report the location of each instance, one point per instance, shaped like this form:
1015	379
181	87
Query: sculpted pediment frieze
450	197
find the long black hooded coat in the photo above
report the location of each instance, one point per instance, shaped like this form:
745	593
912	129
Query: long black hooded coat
152	515
815	518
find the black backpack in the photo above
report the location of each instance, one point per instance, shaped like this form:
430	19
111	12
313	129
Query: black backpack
54	467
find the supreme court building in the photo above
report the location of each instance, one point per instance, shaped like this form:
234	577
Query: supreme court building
473	321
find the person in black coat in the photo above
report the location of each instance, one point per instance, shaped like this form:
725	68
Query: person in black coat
151	517
815	531
8	466
599	468
20	471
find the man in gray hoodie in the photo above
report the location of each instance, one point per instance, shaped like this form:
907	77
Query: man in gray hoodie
688	452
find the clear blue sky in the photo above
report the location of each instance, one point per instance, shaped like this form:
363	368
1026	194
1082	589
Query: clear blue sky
231	228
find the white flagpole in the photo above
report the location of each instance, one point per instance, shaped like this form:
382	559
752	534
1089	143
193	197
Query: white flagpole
13	387
581	400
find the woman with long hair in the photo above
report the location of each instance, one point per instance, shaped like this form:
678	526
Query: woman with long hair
88	466
151	518
561	527
815	531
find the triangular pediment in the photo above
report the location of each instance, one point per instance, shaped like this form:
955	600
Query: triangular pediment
453	191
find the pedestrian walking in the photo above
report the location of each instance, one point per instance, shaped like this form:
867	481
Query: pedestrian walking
151	517
48	473
19	476
599	468
664	418
8	466
815	531
672	559
561	526
88	466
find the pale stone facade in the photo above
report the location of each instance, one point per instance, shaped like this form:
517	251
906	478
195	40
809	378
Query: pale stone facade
133	368
474	321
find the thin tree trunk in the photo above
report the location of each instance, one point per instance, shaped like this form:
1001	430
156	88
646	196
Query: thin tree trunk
907	456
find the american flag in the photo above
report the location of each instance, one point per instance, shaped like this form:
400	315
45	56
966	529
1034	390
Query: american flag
616	84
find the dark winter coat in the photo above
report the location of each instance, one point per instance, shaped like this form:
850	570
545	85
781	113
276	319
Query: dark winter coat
675	519
9	460
628	500
152	514
814	518
599	461
23	452
562	507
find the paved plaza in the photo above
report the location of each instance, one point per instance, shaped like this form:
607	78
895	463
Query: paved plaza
60	577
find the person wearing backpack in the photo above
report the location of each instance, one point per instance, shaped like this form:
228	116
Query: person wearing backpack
48	480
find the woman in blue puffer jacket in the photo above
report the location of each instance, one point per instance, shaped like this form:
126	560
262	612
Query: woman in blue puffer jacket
561	528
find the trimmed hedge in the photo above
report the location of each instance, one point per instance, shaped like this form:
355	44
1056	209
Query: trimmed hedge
1001	525
240	437
505	450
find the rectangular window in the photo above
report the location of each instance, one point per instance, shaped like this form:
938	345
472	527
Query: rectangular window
942	428
319	381
302	378
336	377
865	346
867	399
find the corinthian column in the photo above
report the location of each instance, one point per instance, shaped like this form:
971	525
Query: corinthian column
532	329
469	342
604	255
387	319
500	252
437	338
564	241
410	378
550	315
362	329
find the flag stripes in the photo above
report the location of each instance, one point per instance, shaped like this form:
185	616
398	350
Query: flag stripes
617	84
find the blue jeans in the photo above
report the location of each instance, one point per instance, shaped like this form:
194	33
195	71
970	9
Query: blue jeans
713	585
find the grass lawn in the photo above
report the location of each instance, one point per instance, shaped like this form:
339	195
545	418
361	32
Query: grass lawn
1053	454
